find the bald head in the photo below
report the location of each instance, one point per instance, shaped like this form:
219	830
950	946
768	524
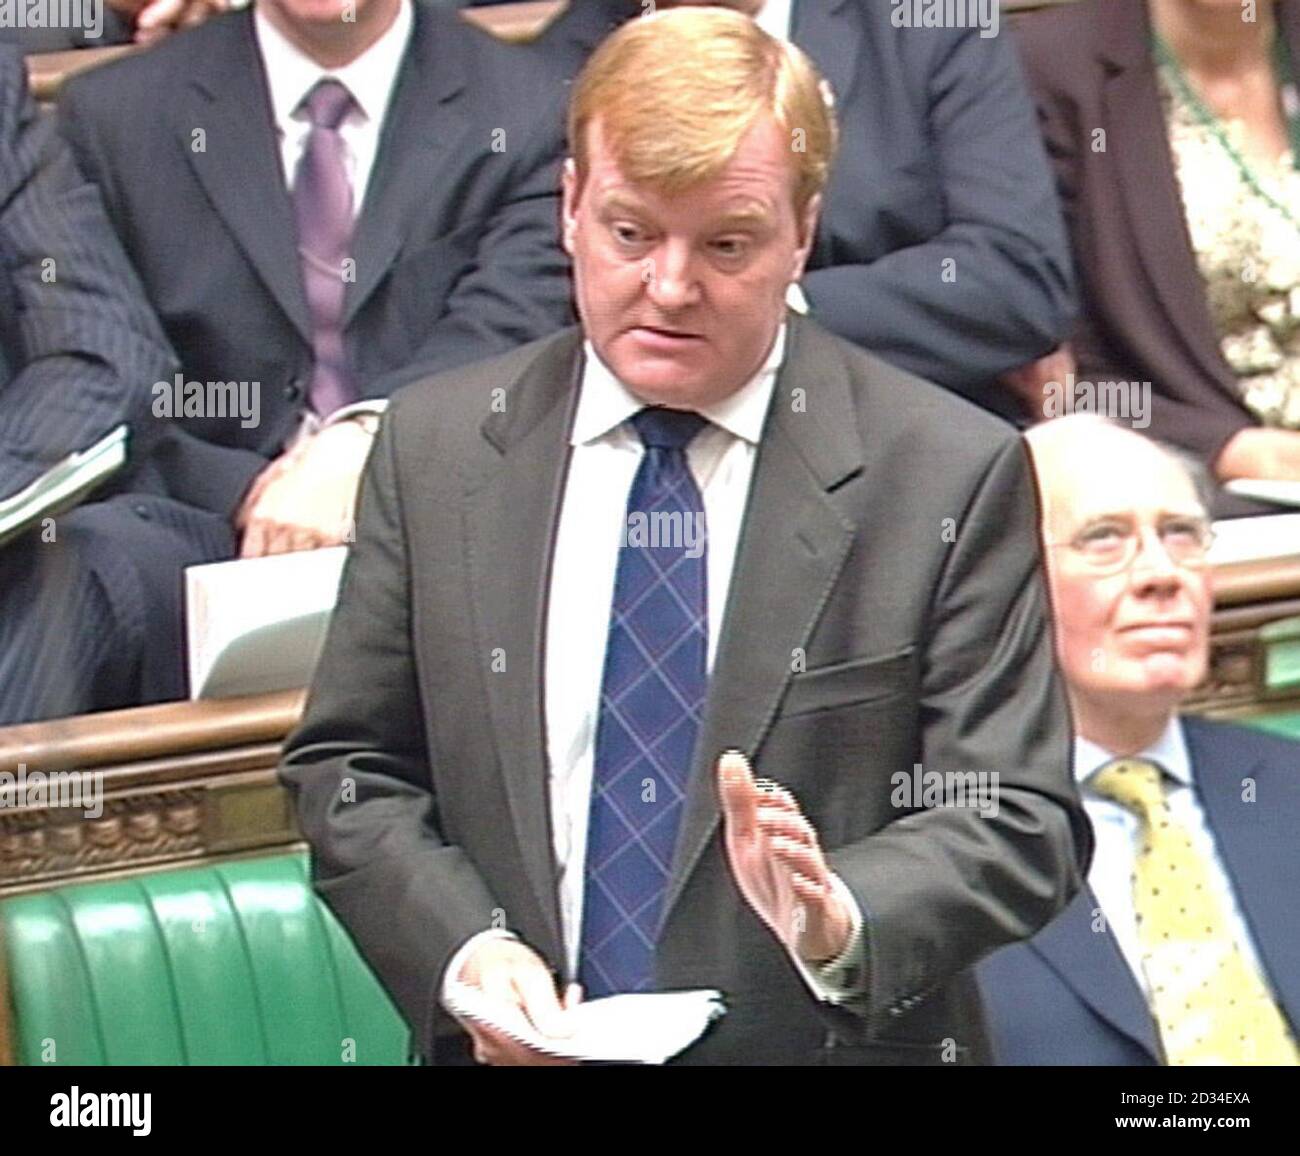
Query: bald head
1124	527
1084	460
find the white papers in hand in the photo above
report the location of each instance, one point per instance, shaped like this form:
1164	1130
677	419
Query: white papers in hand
647	1028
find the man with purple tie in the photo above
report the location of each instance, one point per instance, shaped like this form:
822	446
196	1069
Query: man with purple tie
602	582
331	192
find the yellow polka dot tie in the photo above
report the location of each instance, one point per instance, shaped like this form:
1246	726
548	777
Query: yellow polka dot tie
1210	1005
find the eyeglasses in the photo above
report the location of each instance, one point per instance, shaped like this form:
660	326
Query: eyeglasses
1111	544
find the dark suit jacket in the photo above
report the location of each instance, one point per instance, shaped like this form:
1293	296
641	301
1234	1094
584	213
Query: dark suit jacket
917	650
455	245
115	29
1144	311
80	346
938	159
1068	997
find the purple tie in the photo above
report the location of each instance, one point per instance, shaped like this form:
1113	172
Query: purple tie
322	201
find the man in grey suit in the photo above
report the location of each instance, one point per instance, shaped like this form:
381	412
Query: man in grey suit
940	245
510	768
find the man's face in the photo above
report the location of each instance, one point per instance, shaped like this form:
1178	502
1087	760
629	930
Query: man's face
682	296
1137	635
310	22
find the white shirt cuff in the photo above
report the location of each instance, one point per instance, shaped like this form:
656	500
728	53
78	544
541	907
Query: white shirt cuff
463	953
840	979
372	405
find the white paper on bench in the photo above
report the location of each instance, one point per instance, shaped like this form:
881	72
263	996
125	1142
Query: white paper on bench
256	625
1254	539
645	1028
1265	490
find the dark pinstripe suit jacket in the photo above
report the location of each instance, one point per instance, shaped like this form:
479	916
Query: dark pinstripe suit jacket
80	344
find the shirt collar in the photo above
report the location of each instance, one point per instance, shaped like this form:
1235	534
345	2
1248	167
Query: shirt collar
604	402
1169	752
291	73
774	18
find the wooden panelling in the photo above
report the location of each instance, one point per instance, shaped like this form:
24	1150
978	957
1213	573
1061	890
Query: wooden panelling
143	788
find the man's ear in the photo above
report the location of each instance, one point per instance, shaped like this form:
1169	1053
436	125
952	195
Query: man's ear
569	205
807	234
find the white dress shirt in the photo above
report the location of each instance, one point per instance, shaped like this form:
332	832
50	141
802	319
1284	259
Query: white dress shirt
291	74
774	18
606	453
1118	833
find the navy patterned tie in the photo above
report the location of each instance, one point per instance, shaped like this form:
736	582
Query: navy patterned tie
651	702
322	201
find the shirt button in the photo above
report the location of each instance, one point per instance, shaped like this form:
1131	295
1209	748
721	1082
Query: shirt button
143	511
293	391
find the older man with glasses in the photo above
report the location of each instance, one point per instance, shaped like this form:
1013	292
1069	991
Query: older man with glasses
1182	949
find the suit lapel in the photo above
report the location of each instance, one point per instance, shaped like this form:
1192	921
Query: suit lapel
829	32
1091	963
791	550
1135	122
423	128
239	165
1257	844
511	515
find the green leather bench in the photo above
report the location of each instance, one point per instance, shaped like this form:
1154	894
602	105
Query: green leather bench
1286	725
235	963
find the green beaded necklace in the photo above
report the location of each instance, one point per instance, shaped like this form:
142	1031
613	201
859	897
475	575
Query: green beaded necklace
1290	107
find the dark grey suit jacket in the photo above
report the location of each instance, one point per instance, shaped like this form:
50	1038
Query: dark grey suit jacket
455	245
921	646
79	345
939	160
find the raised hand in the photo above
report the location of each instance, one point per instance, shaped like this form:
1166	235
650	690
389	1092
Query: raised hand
778	864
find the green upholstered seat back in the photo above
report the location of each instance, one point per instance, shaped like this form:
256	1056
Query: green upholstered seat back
1286	725
238	963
